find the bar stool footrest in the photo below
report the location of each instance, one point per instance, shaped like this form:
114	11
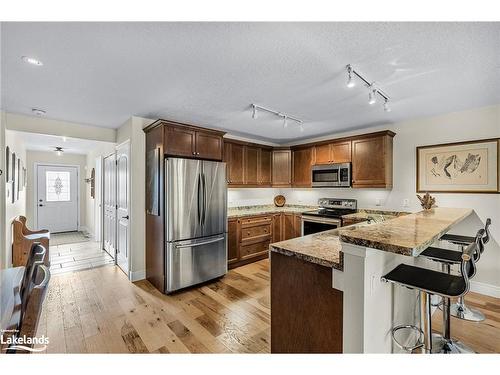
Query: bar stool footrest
419	342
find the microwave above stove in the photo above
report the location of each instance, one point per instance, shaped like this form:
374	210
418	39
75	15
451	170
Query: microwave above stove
331	175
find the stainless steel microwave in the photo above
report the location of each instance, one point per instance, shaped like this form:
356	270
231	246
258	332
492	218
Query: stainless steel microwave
331	175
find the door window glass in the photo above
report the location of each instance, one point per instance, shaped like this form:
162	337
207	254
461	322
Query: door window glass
57	186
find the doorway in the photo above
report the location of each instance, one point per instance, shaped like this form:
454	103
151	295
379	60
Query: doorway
116	205
57	198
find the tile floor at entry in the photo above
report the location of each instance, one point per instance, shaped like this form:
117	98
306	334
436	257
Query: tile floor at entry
100	311
77	256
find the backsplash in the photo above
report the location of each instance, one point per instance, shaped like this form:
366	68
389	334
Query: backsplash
251	197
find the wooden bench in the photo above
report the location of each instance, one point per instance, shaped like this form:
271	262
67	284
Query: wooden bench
24	238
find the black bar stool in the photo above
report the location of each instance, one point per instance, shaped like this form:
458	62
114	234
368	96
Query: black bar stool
429	282
448	258
460	309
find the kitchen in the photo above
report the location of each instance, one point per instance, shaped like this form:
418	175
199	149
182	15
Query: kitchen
263	222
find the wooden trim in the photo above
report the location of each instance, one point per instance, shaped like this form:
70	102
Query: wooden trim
459	191
161	122
342	139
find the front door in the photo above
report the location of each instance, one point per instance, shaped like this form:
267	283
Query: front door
122	204
109	189
57	198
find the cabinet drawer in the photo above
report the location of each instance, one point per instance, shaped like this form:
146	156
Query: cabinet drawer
255	231
255	221
248	251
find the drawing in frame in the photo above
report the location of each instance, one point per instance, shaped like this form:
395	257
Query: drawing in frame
460	167
13	179
8	172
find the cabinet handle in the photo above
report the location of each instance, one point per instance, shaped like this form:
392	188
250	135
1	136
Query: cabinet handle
194	153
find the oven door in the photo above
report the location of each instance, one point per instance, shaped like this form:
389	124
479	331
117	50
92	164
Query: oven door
325	176
311	225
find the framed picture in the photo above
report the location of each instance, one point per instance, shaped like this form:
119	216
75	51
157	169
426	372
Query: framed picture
13	171
8	172
18	179
461	167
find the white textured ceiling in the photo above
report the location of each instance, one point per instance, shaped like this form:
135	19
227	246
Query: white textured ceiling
45	142
209	73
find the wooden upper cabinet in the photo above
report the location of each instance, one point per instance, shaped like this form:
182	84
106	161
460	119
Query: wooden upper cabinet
372	161
251	169
208	145
180	141
341	152
183	140
337	152
281	169
323	154
265	167
233	155
301	166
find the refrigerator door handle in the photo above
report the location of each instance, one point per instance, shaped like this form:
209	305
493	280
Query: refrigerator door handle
200	243
198	183
204	198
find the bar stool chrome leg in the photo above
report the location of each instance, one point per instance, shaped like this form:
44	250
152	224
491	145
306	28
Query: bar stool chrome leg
461	311
425	321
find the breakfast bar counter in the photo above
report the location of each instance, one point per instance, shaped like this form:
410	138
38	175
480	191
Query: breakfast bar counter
326	290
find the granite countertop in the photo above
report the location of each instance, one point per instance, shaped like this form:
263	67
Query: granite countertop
408	234
321	248
378	215
234	212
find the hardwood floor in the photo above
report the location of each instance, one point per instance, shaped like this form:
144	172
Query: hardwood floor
100	311
77	256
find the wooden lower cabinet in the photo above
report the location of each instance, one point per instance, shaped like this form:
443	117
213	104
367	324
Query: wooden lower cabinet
249	237
232	241
301	297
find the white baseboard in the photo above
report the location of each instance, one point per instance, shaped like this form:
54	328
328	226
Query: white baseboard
137	275
486	289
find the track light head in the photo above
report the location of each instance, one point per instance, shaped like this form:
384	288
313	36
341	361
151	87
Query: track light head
350	77
285	122
254	114
387	108
372	96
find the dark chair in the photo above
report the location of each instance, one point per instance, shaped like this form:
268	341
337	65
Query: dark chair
32	292
460	309
429	282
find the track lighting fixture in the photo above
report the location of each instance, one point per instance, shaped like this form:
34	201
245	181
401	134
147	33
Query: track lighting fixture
352	75
284	116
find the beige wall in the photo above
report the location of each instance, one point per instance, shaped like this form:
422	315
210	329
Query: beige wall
16	144
52	158
43	125
92	204
132	130
3	252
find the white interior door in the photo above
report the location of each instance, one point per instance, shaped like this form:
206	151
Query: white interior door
122	204
98	199
57	198
109	201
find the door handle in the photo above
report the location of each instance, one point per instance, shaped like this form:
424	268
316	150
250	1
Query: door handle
125	217
40	205
199	243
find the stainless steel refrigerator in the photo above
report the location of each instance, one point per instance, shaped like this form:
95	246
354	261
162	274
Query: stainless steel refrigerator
195	222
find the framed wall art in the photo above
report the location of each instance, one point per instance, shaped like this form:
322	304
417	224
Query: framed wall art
461	167
8	172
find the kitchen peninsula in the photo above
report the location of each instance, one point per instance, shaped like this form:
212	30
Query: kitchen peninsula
326	293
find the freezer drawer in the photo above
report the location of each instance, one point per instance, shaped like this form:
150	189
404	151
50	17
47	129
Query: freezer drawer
195	261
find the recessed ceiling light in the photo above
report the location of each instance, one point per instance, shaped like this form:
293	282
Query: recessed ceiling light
31	60
64	139
38	112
